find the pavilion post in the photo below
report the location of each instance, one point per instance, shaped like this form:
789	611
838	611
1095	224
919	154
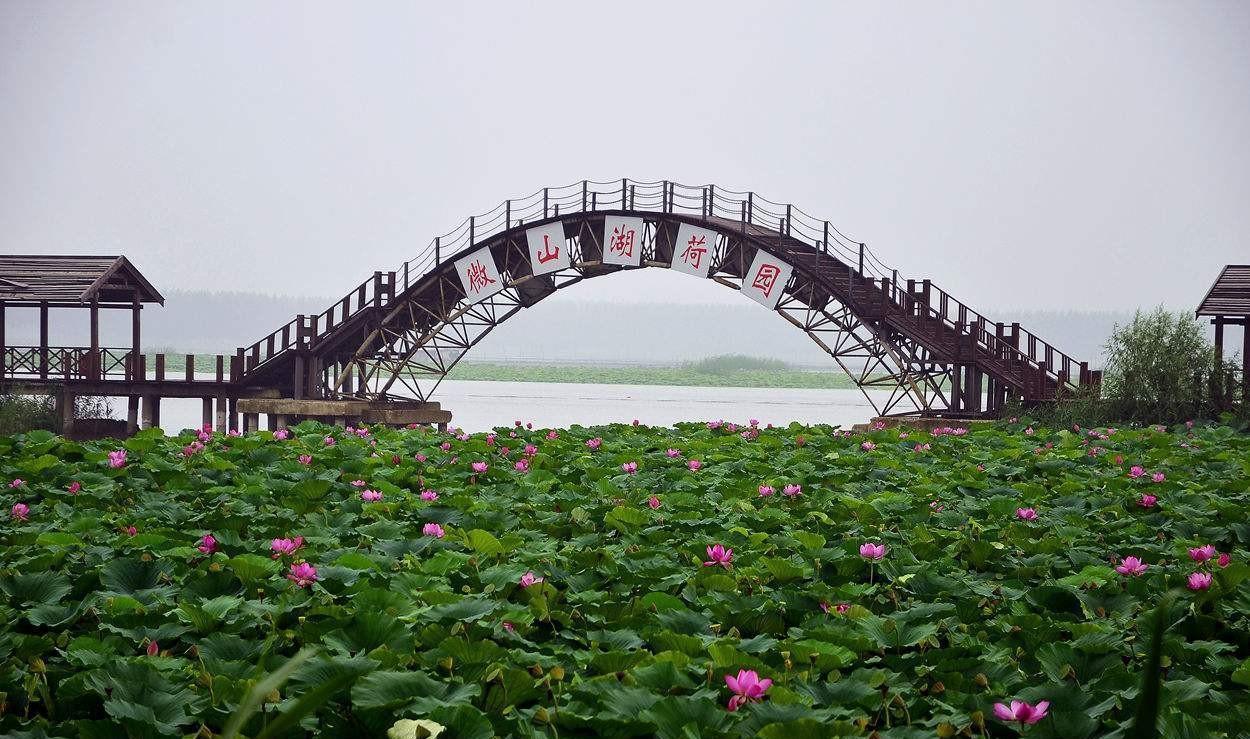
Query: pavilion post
1217	375
43	340
94	365
135	363
1245	365
3	350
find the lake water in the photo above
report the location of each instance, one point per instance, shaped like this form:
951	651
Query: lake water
480	406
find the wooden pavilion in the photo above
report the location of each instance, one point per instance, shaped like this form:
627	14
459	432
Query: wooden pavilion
1227	303
43	282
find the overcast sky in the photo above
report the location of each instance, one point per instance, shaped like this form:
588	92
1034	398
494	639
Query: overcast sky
1071	155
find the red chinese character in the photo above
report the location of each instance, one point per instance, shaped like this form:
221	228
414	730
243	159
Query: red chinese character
622	242
478	276
694	252
765	278
546	255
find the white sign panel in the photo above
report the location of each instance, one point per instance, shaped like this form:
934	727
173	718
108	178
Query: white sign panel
478	275
622	241
548	250
766	279
692	252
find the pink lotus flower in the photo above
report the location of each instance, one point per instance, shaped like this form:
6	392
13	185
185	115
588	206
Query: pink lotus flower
921	448
870	551
445	446
302	574
825	607
479	467
358	483
1136	471
280	435
74	487
429	495
694	465
718	555
529	578
370	496
1147	501
1132	566
1199	580
672	453
936	506
233	432
329	441
630	467
635	421
1026	514
420	457
117	458
530	450
713	425
766	490
208	544
1157	477
1025	713
747	688
131	531
522	465
791	490
1224	560
1202	553
594	443
842	608
305	459
434	530
654	502
153	648
868	446
17	483
552	435
286	547
508	627
1028	431
753	422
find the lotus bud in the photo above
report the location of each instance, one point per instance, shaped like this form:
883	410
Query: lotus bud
446	663
981	680
536	671
557	673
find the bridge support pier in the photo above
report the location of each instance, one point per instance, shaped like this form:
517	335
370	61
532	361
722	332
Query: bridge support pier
251	421
132	414
206	413
151	411
232	414
65	411
220	425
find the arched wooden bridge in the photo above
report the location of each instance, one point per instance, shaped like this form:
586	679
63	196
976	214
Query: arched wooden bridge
396	336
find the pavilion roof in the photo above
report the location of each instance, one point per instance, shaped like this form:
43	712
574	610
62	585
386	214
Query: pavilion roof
37	278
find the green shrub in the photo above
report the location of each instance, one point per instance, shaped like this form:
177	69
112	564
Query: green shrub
1159	368
725	364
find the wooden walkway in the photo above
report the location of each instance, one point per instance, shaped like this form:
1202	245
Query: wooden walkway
389	341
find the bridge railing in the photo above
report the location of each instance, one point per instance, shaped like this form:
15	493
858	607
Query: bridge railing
304	330
1019	349
752	211
589	196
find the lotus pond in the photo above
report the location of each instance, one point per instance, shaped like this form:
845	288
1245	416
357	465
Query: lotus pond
707	580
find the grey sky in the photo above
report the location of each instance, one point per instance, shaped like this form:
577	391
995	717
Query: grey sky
1087	155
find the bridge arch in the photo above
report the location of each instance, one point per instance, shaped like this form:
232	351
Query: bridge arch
930	352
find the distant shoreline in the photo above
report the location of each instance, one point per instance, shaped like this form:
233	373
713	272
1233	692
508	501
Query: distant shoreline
833	379
605	374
